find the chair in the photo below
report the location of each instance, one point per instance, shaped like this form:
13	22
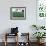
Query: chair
14	32
7	35
25	36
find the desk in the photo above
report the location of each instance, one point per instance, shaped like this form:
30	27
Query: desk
8	34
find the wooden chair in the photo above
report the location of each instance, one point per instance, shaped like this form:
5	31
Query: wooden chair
8	34
27	43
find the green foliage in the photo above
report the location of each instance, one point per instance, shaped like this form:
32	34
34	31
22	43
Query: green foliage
41	14
39	35
35	27
18	14
40	27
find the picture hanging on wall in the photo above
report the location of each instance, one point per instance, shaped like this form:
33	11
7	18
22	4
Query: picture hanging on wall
18	13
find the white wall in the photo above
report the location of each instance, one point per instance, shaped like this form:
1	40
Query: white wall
24	25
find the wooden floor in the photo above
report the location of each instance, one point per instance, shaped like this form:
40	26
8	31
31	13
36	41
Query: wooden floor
13	44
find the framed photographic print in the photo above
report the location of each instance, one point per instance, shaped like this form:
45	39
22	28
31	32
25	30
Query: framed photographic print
41	12
41	8
18	13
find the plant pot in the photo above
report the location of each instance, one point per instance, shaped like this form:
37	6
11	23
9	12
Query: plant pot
40	41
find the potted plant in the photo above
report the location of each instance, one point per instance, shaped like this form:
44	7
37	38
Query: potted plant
39	35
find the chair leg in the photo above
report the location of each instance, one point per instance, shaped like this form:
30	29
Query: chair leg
5	43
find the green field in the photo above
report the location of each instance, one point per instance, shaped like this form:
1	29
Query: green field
18	14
